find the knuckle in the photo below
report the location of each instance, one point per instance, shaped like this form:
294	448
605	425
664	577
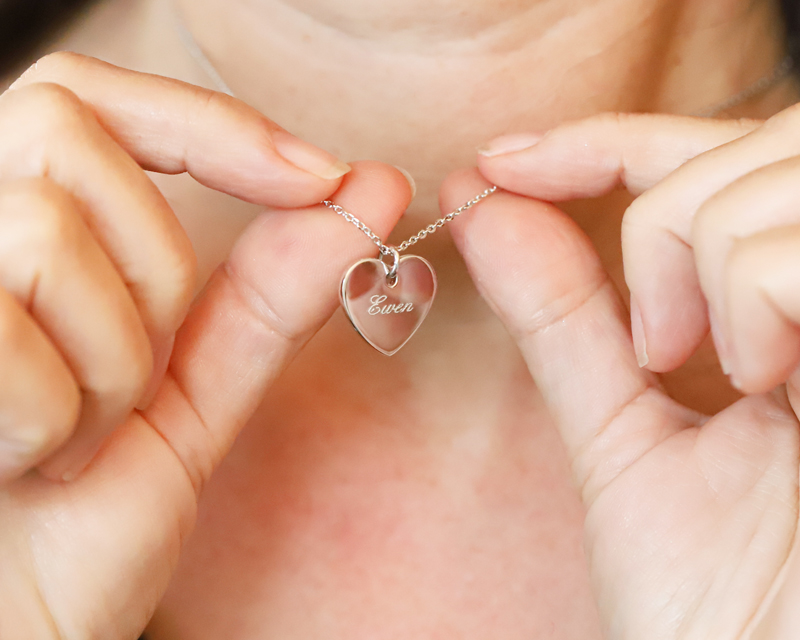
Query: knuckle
744	260
614	120
49	410
60	416
745	125
56	63
744	269
52	108
619	119
710	216
208	101
10	325
141	370
178	279
212	105
203	102
123	386
135	351
637	217
51	63
37	211
182	270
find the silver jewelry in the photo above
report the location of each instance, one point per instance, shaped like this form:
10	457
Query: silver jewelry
385	302
762	85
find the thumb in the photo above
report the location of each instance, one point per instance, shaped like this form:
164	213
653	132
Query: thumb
111	537
541	275
276	290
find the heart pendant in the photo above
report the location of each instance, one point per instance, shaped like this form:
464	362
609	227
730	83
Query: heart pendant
386	309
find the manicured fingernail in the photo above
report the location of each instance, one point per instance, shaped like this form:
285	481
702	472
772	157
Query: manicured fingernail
160	364
719	343
637	331
412	183
307	157
510	144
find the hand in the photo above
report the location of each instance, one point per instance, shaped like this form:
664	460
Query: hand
691	520
96	277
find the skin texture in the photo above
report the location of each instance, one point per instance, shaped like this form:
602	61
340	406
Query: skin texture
441	493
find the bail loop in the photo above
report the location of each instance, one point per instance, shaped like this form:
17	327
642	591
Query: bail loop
391	269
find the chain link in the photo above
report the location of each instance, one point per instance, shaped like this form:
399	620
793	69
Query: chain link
758	88
420	235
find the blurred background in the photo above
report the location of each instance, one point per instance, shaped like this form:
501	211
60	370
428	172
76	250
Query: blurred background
25	25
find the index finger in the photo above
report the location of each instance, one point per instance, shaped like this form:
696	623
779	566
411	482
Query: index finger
588	158
170	126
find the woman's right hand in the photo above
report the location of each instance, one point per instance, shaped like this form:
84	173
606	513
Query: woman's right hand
96	279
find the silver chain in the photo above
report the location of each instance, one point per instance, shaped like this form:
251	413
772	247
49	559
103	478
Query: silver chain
778	73
431	228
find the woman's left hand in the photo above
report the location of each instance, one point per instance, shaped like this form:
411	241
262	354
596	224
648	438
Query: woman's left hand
691	527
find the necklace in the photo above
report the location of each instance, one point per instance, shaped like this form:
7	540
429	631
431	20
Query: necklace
387	302
387	299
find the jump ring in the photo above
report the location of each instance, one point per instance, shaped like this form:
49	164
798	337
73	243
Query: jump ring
391	270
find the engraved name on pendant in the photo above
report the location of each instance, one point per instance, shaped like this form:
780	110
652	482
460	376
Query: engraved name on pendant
377	300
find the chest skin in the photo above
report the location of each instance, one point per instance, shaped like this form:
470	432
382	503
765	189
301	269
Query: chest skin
362	503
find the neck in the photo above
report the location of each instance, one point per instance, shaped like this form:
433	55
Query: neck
690	54
369	79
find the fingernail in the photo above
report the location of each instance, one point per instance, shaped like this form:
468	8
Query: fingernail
62	468
160	363
57	473
637	332
412	183
307	157
510	144
719	343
